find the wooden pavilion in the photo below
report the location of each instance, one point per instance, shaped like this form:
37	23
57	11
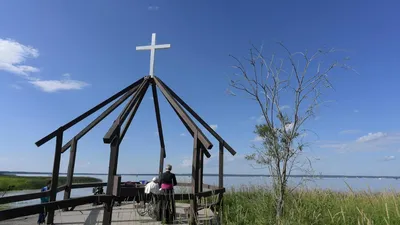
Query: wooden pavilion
115	135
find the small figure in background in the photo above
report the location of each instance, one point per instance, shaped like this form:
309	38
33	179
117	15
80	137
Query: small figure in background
42	216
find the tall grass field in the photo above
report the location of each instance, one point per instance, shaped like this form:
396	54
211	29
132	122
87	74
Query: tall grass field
254	205
31	182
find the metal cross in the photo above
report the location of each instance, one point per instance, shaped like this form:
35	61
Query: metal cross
152	49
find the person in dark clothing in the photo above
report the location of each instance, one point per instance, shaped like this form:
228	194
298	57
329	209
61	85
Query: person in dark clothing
167	207
42	216
168	179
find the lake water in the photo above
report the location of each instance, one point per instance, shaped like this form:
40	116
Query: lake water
336	184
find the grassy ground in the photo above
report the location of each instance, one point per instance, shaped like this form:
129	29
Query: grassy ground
28	183
253	205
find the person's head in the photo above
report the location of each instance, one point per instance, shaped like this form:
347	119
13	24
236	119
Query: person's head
155	180
168	167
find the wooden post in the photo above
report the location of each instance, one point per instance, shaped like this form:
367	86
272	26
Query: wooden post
56	171
159	126
112	171
201	165
195	177
221	165
221	180
71	167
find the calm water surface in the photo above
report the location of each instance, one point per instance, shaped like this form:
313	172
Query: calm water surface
336	184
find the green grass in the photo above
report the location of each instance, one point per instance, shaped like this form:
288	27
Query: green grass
254	205
29	183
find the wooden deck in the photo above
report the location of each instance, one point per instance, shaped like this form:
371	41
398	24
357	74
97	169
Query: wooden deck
122	215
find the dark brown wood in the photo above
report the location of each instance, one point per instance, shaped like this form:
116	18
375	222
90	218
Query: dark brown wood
88	185
56	172
210	187
117	186
51	206
141	91
159	127
71	167
195	176
98	119
112	171
124	114
210	193
133	113
202	122
88	113
24	197
201	168
193	127
221	165
61	188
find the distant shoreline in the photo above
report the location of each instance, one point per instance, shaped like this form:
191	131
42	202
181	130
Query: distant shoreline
210	175
10	182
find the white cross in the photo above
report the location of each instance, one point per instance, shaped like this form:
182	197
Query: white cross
152	49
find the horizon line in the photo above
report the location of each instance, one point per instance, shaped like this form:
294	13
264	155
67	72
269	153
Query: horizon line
210	174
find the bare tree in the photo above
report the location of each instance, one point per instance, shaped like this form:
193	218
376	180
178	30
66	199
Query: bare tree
294	82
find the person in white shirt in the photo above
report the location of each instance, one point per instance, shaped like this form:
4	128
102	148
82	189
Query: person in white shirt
152	187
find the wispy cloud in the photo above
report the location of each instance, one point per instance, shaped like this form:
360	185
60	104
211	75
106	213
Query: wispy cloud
183	134
261	119
59	85
389	158
349	132
284	107
16	86
379	141
356	111
151	98
153	8
372	137
257	139
12	58
14	54
186	162
214	126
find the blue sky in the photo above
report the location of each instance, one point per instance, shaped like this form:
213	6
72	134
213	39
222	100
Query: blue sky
58	59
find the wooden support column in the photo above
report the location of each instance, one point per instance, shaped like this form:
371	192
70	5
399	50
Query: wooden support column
221	180
112	171
195	177
160	130
201	169
56	171
221	165
71	167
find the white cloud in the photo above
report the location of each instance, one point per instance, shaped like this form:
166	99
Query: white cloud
183	135
13	54
289	127
151	98
214	126
337	146
284	107
349	131
253	118
186	162
257	139
16	86
59	85
153	8
356	111
261	119
371	137
388	158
